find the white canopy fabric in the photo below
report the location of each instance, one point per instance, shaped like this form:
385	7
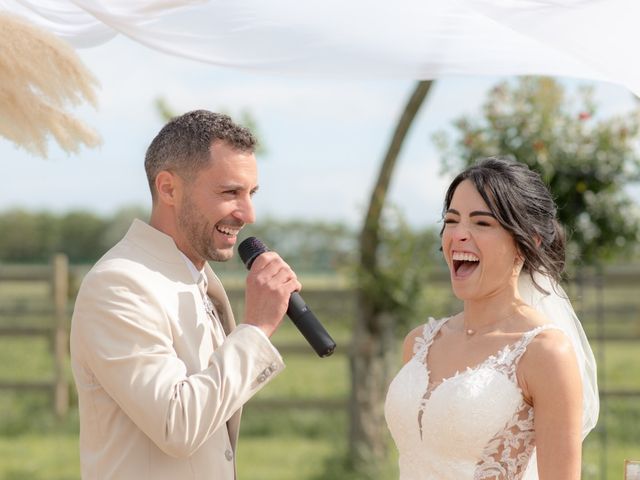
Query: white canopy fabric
420	39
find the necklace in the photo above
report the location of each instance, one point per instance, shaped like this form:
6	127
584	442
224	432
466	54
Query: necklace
469	332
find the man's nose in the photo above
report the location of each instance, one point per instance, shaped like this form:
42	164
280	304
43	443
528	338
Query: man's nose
245	211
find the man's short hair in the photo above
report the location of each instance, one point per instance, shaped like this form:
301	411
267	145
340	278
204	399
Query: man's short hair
183	145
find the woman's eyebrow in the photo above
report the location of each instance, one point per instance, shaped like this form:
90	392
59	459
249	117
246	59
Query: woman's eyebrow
475	213
478	213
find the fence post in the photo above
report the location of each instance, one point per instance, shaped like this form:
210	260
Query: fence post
602	377
60	282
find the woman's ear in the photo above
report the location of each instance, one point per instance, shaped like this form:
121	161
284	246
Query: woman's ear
518	263
538	240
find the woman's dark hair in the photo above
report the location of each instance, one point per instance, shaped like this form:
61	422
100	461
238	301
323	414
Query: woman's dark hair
522	203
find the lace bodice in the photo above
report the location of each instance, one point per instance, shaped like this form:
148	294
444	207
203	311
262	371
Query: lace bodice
472	425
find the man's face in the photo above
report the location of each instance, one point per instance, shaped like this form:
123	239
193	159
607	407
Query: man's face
217	203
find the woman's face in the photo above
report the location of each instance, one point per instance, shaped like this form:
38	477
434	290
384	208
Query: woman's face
481	255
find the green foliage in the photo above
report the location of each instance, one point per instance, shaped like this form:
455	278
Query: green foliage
164	110
118	224
405	260
586	160
81	234
308	246
316	246
246	119
29	237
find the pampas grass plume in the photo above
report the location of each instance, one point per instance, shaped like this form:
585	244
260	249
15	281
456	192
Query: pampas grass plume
40	76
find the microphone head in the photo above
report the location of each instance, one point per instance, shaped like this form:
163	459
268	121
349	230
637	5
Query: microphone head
249	249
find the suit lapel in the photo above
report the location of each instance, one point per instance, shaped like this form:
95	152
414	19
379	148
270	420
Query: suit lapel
218	296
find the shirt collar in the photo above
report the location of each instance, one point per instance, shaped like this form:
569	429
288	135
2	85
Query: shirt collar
195	273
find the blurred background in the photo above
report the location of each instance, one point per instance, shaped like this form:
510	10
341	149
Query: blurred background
369	264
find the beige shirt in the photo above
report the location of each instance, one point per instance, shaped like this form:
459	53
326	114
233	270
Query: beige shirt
159	395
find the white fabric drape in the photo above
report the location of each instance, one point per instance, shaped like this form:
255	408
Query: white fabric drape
421	39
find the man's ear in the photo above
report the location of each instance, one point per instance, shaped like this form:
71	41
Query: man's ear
168	187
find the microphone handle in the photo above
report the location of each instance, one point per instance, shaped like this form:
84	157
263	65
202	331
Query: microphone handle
309	326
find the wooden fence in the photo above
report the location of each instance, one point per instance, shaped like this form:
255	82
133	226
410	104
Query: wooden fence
57	274
587	291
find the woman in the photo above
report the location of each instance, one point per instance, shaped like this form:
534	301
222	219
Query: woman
506	388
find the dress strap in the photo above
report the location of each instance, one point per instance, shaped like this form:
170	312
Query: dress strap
429	332
512	356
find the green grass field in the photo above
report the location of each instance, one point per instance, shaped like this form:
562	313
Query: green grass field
300	444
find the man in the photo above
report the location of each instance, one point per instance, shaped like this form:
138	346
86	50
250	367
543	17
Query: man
161	369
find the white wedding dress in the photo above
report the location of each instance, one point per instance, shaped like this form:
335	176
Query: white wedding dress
473	425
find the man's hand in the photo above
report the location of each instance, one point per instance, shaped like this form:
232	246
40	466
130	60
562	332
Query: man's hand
270	283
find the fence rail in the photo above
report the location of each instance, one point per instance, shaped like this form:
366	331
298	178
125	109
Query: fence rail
26	331
589	283
57	275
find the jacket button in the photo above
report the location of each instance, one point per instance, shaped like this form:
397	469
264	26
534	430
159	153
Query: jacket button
228	454
262	377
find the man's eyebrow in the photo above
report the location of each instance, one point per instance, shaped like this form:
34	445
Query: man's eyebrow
236	186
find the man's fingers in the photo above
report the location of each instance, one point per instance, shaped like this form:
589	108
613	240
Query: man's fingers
263	261
270	267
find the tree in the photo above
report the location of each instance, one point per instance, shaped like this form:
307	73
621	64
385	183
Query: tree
587	161
28	236
81	236
117	225
371	359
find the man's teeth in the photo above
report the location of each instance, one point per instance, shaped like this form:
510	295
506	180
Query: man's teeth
232	232
465	257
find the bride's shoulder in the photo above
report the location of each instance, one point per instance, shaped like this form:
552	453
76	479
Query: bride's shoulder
549	343
549	353
550	368
418	336
546	338
423	330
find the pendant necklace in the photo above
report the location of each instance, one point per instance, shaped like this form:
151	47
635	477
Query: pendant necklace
471	331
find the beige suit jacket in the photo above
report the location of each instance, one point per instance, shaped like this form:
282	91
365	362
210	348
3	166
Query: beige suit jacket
159	394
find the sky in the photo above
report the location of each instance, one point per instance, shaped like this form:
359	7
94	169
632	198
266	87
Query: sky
324	138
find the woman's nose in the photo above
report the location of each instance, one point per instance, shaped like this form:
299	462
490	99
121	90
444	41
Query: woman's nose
460	232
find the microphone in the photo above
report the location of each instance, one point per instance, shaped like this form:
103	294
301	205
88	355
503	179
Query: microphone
298	311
